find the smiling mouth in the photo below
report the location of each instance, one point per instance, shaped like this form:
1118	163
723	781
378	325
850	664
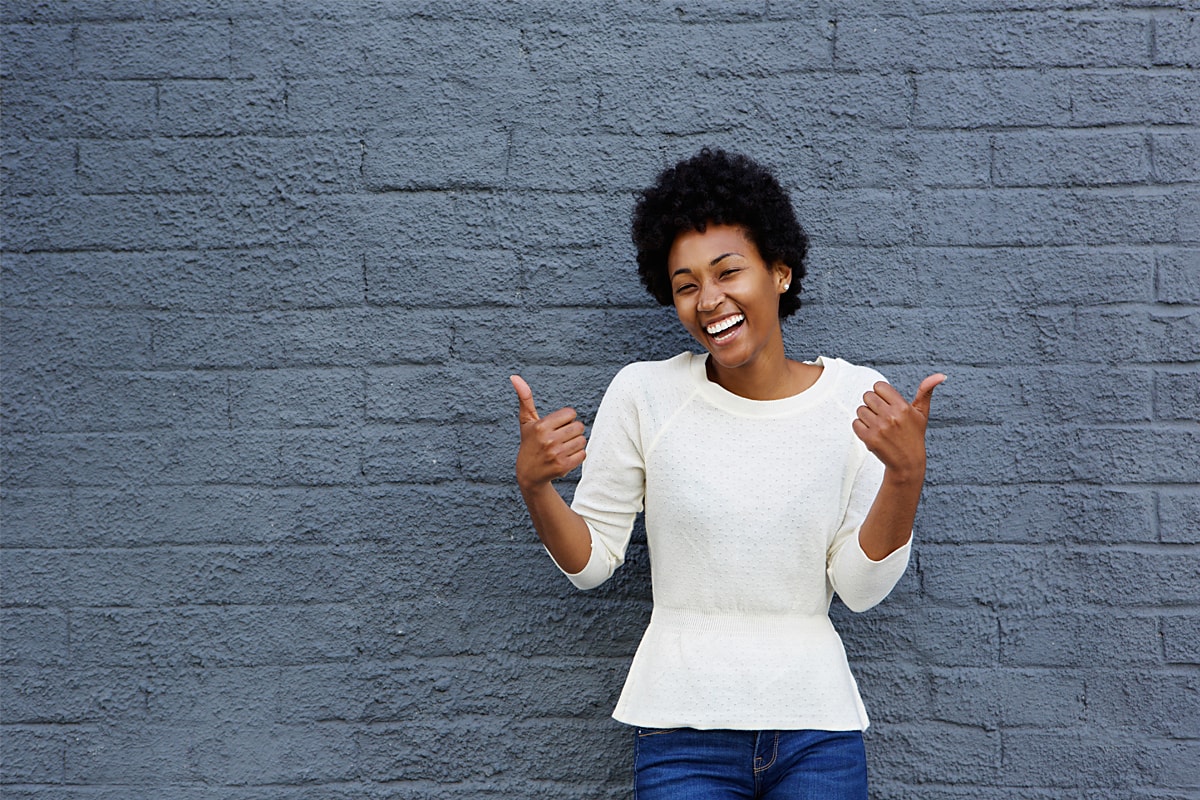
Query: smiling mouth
724	329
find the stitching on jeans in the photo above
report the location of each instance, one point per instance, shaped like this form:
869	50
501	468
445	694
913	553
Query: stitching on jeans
656	732
774	756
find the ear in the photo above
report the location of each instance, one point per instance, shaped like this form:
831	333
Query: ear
783	276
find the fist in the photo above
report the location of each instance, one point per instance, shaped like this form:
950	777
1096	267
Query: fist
551	446
894	429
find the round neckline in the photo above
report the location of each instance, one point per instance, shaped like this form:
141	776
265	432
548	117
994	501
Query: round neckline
719	396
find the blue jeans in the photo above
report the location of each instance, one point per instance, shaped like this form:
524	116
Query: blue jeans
687	764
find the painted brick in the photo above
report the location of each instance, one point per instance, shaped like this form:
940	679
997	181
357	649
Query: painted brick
40	340
1177	38
992	40
38	167
220	166
1123	455
135	516
1181	639
1036	758
1133	335
989	395
412	454
1017	98
744	101
581	337
994	699
888	159
76	108
939	7
76	11
116	400
1179	276
753	49
895	753
489	748
395	162
1077	639
34	636
1175	395
1135	98
904	336
1055	159
1032	276
400	274
858	276
858	217
172	754
161	577
1024	577
137	222
216	637
36	517
222	108
224	280
32	754
162	50
893	693
294	398
470	394
1176	157
591	275
597	163
1179	515
370	44
1160	704
37	51
911	635
175	457
1039	217
1033	514
281	340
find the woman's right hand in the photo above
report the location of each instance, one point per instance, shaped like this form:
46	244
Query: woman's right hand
551	446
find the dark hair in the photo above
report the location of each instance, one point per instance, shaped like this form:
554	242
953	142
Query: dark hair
717	188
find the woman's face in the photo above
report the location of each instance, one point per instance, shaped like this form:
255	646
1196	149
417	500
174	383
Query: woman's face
726	296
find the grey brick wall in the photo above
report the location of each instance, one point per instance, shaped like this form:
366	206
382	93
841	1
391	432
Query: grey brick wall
267	266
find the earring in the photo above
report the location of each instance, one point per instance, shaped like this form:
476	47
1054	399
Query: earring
786	286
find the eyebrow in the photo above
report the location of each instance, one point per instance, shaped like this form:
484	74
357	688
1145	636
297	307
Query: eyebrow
713	263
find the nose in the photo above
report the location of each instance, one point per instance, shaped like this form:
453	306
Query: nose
710	296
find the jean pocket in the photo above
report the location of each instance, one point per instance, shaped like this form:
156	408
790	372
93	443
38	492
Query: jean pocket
644	732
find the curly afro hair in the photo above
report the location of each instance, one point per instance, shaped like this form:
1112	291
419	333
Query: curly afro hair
717	188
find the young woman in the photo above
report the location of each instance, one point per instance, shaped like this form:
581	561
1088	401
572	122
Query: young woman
768	484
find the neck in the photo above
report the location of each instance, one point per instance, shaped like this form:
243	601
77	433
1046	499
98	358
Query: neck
770	377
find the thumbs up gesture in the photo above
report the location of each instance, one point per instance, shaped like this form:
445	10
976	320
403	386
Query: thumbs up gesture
551	446
894	429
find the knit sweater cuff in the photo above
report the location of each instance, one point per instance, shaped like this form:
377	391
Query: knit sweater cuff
595	572
862	582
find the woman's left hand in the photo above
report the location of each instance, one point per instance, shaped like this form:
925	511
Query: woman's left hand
894	429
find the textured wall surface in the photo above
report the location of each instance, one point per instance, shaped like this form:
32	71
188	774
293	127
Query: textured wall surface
267	266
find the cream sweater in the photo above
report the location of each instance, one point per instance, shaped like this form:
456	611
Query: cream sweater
752	516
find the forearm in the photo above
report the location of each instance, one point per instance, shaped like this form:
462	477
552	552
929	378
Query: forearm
889	523
564	533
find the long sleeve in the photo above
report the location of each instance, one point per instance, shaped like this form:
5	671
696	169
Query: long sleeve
860	582
612	487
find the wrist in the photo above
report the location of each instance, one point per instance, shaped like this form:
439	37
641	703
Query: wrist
533	488
912	477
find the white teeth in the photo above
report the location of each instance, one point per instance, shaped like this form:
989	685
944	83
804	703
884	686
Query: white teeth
724	324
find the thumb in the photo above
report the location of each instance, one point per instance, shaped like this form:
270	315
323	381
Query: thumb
925	392
527	411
